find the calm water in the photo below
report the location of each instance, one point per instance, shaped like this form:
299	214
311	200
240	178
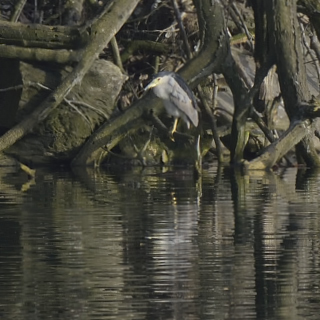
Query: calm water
142	244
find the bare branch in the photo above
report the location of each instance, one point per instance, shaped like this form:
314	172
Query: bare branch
109	20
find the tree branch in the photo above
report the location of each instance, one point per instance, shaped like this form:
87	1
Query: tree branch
102	31
208	61
276	150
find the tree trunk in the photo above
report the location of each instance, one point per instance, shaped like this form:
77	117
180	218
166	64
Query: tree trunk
285	36
209	60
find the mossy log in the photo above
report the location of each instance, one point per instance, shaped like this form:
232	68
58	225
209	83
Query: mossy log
276	150
41	36
61	56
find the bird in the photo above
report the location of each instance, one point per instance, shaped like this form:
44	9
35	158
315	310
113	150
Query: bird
177	98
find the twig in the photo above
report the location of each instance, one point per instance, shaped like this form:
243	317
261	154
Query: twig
212	120
140	153
244	26
182	29
17	10
116	53
145	17
28	83
314	44
156	64
148	141
40	85
169	29
207	61
62	56
313	57
87	105
69	102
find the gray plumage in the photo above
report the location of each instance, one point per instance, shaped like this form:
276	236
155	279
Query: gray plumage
178	99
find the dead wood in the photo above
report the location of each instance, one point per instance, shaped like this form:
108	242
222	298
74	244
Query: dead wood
61	56
312	9
208	61
150	46
102	31
275	151
285	36
41	36
58	138
72	12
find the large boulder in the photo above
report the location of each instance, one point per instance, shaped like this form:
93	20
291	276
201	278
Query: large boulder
88	105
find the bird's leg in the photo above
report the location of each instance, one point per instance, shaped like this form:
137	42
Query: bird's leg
174	129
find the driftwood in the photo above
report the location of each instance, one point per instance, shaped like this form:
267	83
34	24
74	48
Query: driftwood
83	44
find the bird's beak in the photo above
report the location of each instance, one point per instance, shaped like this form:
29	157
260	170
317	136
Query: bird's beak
150	85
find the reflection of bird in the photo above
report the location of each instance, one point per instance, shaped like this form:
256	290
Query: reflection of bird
178	99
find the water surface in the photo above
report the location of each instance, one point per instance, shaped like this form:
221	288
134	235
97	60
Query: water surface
148	244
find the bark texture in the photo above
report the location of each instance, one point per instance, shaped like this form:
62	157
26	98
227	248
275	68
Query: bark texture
286	38
101	32
210	58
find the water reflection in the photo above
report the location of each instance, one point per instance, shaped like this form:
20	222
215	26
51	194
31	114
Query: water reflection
143	244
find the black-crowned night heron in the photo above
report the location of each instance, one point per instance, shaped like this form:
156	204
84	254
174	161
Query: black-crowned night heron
178	99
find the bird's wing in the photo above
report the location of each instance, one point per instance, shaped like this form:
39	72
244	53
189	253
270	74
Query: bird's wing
184	104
